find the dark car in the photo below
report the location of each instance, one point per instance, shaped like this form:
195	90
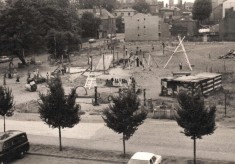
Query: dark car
13	143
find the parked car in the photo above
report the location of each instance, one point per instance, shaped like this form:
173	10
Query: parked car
111	35
13	143
145	158
91	40
4	59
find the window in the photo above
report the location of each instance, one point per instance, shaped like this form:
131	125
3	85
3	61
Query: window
159	26
138	35
129	14
153	159
159	35
115	14
144	18
144	27
122	14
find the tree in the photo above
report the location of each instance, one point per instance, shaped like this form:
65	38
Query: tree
6	103
196	119
141	6
202	9
107	4
18	28
56	109
90	24
123	115
25	25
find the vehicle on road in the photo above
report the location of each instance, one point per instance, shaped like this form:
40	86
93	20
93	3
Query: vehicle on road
111	35
91	40
13	143
4	59
145	158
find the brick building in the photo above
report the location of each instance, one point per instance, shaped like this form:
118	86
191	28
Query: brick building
227	26
143	27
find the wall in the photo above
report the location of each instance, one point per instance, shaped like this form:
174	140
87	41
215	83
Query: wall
228	4
216	15
227	27
141	27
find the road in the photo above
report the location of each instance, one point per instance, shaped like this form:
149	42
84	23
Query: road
36	159
157	136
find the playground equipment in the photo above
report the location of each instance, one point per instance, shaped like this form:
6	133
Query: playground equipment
183	50
90	81
105	62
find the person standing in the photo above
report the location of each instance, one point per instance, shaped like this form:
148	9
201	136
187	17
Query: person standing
180	65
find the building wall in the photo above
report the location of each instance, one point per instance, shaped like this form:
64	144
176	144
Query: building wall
228	4
141	27
216	15
227	27
184	28
164	30
171	3
124	13
108	26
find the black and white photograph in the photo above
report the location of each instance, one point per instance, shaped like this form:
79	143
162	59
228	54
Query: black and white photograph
117	82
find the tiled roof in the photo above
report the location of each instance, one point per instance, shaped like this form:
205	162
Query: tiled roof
104	14
125	10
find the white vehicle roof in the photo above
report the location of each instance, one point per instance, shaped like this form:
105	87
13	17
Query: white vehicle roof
143	156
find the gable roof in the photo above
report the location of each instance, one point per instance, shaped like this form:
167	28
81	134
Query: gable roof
101	13
125	10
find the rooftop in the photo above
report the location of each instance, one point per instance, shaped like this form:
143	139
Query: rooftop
142	156
101	13
125	10
8	134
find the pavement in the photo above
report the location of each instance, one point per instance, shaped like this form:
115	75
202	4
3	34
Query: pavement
158	136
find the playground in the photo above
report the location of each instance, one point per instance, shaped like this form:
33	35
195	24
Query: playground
143	64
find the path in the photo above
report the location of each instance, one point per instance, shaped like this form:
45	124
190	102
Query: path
161	137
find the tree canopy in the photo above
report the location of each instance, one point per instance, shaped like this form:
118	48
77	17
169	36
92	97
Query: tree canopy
141	6
109	5
123	115
202	9
57	110
27	24
6	103
89	24
194	117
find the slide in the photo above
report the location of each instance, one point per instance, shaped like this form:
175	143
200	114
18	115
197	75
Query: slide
108	58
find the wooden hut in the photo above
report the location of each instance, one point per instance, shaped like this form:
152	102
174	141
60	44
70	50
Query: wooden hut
203	82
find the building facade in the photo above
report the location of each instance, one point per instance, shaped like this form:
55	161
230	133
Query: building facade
227	26
124	12
143	27
227	5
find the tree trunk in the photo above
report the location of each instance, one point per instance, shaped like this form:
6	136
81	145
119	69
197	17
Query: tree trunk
60	138
21	58
194	150
4	124
124	146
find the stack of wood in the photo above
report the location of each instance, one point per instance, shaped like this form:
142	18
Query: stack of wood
229	55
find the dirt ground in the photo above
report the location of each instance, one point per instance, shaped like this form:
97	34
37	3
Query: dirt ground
202	56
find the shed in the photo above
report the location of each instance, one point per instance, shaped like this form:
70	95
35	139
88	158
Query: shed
203	82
